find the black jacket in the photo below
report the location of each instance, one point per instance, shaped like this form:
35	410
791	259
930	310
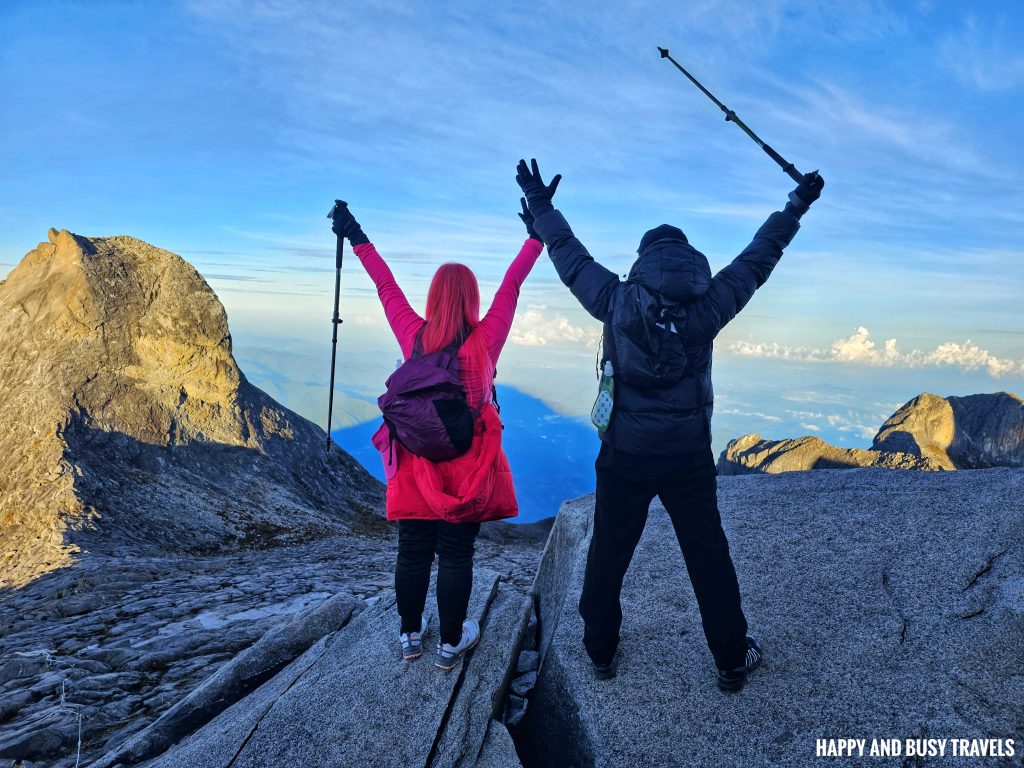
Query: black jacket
674	419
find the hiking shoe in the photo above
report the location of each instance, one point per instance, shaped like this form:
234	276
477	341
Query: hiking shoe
733	679
448	655
605	671
412	642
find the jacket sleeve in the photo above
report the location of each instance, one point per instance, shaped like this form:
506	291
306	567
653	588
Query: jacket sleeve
735	284
496	324
592	284
402	318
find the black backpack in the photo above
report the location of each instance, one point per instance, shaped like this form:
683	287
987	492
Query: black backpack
646	339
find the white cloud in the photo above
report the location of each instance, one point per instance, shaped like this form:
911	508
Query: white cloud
535	327
364	320
741	412
861	349
810	427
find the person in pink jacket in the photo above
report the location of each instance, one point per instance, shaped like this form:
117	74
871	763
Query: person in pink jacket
439	506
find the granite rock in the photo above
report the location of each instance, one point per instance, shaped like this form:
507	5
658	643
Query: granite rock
352	700
889	604
236	679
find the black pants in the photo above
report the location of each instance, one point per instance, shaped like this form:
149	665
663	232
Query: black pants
686	485
418	540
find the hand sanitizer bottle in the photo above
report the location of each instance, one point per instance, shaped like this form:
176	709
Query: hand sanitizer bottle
601	414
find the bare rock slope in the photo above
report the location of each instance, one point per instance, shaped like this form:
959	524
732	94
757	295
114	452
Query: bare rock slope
126	425
889	605
928	433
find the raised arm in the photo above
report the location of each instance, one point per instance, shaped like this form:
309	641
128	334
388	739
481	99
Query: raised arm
496	324
735	284
591	283
402	318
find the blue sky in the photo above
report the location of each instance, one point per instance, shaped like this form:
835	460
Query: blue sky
223	130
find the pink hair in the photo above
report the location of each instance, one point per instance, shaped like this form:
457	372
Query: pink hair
453	307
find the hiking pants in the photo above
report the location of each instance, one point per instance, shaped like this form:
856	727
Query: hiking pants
686	485
418	540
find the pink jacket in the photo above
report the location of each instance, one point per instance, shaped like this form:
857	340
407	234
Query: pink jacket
476	486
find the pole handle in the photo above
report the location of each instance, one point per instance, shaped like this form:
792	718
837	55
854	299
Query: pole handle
336	210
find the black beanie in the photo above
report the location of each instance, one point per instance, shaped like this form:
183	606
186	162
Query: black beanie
664	232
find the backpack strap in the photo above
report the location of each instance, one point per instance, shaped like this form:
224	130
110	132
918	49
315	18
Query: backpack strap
417	343
454	346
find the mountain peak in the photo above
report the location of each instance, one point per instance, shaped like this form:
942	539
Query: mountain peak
120	386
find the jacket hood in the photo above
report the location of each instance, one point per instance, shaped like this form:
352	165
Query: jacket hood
669	266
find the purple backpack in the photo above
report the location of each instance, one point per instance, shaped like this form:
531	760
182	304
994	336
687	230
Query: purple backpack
425	406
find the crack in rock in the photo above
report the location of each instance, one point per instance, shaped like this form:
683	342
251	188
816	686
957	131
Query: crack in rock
990	561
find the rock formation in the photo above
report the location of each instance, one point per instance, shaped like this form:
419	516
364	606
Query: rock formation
752	453
126	425
350	699
889	604
928	433
970	432
96	652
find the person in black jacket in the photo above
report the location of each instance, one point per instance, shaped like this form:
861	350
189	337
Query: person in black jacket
660	324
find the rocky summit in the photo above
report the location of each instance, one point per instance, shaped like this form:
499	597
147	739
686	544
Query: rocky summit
127	426
888	604
970	432
928	433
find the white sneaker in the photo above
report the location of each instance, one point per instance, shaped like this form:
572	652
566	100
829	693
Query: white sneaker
448	655
412	642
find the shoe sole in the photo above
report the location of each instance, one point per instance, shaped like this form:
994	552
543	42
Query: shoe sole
606	674
455	659
411	656
734	686
731	687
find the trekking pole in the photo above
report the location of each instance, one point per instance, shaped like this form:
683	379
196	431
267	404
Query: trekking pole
336	320
731	116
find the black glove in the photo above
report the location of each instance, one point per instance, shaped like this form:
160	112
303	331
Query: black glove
527	218
538	195
806	192
344	224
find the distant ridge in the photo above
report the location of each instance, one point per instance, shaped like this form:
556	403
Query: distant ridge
927	433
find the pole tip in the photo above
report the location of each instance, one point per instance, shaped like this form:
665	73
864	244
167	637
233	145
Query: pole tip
663	51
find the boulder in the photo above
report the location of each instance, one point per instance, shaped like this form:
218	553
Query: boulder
971	432
889	604
752	453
